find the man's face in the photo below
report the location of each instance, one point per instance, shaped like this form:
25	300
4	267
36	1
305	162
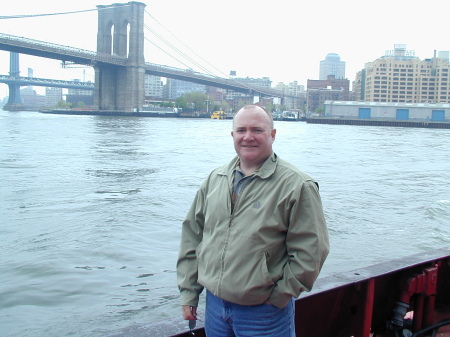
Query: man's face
253	136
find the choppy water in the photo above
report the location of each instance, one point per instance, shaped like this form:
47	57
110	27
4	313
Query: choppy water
91	208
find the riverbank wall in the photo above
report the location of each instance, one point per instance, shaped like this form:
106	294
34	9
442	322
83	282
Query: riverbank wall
379	122
161	114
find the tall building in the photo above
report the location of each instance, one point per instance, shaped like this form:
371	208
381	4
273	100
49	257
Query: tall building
153	86
176	88
400	76
332	65
445	55
296	95
52	96
292	89
319	91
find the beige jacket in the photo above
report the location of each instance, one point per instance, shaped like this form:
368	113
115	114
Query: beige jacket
270	248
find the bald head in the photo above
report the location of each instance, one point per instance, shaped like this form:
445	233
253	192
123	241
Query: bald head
254	108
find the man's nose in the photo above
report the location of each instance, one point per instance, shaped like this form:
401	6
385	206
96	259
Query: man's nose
248	135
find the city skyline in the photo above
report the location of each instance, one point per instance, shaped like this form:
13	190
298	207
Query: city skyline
255	40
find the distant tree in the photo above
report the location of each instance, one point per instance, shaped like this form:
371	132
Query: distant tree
197	100
80	104
224	106
181	102
269	106
63	104
167	104
320	111
279	107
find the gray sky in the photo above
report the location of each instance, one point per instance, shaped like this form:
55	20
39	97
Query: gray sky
284	39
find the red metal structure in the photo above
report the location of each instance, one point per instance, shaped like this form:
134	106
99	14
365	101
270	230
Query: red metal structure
376	301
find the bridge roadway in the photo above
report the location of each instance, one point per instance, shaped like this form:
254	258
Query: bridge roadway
44	82
28	46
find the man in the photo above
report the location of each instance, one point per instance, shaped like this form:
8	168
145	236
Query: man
255	237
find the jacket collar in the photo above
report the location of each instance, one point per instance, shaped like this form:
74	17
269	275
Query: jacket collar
266	170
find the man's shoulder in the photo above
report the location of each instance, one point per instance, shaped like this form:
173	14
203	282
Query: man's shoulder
223	170
226	168
286	169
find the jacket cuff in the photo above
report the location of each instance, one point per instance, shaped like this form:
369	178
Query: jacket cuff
189	298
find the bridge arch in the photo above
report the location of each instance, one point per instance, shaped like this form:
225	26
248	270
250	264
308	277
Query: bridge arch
121	33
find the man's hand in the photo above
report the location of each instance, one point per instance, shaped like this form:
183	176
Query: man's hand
189	313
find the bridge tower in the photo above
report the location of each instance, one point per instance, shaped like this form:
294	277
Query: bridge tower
121	33
14	101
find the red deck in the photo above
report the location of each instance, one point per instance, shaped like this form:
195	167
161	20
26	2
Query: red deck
361	303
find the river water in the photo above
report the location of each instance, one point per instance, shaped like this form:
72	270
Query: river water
91	208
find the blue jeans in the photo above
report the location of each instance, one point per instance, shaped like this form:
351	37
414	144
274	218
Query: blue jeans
226	319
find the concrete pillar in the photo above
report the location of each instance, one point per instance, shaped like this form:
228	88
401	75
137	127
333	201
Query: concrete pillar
121	33
14	102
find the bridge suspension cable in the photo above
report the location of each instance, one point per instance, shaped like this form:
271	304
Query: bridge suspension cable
174	48
178	50
37	15
183	54
22	16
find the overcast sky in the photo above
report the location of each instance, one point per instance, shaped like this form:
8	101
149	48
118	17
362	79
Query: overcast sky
284	40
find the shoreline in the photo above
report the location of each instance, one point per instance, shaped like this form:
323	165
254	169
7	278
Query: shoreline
123	113
380	122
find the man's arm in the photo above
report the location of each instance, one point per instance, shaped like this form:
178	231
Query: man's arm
191	237
307	246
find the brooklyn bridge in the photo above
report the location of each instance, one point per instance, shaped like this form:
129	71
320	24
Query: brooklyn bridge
118	62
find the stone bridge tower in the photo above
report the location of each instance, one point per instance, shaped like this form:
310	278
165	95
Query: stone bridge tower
14	102
120	33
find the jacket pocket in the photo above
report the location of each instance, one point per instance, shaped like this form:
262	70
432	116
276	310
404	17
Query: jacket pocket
267	276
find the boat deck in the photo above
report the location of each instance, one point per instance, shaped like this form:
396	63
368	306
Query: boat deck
361	303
